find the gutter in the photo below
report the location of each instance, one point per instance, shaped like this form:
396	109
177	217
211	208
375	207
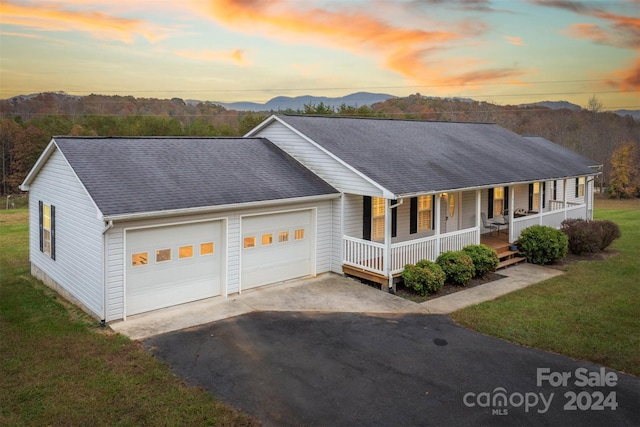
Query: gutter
211	209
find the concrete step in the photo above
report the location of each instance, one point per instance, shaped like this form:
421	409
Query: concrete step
511	261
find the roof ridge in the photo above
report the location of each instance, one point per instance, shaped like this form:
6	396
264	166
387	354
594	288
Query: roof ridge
391	119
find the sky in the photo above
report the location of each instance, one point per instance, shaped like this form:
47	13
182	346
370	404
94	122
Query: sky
505	52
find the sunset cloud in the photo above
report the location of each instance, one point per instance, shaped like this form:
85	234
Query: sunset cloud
98	24
236	56
627	79
517	41
403	50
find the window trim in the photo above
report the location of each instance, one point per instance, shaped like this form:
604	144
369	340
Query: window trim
51	230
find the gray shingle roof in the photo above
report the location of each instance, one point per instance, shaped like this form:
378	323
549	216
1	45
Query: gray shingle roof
408	157
136	175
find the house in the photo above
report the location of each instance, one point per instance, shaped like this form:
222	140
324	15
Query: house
413	189
123	226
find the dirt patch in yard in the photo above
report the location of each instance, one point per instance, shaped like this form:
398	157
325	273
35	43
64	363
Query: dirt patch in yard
571	258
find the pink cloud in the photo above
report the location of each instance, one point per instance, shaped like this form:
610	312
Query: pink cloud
99	25
517	41
236	56
403	50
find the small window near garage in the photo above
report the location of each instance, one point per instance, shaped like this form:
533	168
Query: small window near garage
206	248
267	239
141	258
163	255
185	251
283	236
250	242
298	234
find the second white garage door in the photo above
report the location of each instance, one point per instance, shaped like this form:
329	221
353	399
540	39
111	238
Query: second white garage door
173	265
277	247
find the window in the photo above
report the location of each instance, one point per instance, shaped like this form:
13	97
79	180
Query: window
185	252
206	248
377	218
283	236
46	219
140	258
298	234
580	187
250	242
163	255
425	213
535	202
267	239
498	201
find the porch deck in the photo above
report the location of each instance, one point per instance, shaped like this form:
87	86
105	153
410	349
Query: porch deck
497	241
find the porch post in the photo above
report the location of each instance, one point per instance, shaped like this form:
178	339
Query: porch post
512	206
540	194
386	264
564	196
478	209
436	218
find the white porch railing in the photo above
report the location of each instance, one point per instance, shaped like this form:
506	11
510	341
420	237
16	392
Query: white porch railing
551	219
412	251
363	254
457	240
370	255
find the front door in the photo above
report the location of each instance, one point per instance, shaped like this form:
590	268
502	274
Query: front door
451	212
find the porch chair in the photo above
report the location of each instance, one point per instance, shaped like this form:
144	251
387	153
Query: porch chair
488	224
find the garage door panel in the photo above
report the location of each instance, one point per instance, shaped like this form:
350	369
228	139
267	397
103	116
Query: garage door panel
282	259
186	276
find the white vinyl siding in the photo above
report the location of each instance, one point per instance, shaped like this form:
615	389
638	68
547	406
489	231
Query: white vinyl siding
321	163
78	263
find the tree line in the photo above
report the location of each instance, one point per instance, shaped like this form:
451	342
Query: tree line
28	123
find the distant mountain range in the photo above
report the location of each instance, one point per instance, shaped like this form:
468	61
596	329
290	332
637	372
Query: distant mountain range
358	99
281	103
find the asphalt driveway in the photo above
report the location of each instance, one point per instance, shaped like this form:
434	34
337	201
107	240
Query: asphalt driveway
354	369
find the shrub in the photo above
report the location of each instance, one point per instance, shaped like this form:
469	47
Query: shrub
589	236
457	266
425	277
542	244
581	236
484	258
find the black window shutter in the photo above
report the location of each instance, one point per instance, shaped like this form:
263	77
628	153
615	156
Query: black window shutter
433	212
577	185
53	232
555	190
544	190
394	219
490	204
366	218
413	216
531	196
505	208
41	225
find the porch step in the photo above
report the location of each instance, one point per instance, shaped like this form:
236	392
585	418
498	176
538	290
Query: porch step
506	254
511	261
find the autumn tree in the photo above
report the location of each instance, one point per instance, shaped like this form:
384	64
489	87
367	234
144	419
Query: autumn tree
625	171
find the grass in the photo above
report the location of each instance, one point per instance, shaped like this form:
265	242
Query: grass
589	313
58	367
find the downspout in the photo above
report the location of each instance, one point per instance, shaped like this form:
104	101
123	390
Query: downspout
108	227
387	236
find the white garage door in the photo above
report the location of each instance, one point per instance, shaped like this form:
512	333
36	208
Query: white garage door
173	265
277	247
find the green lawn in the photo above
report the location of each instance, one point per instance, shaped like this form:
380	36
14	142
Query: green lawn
58	367
589	313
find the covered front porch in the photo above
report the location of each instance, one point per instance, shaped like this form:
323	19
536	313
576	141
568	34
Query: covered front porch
457	219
